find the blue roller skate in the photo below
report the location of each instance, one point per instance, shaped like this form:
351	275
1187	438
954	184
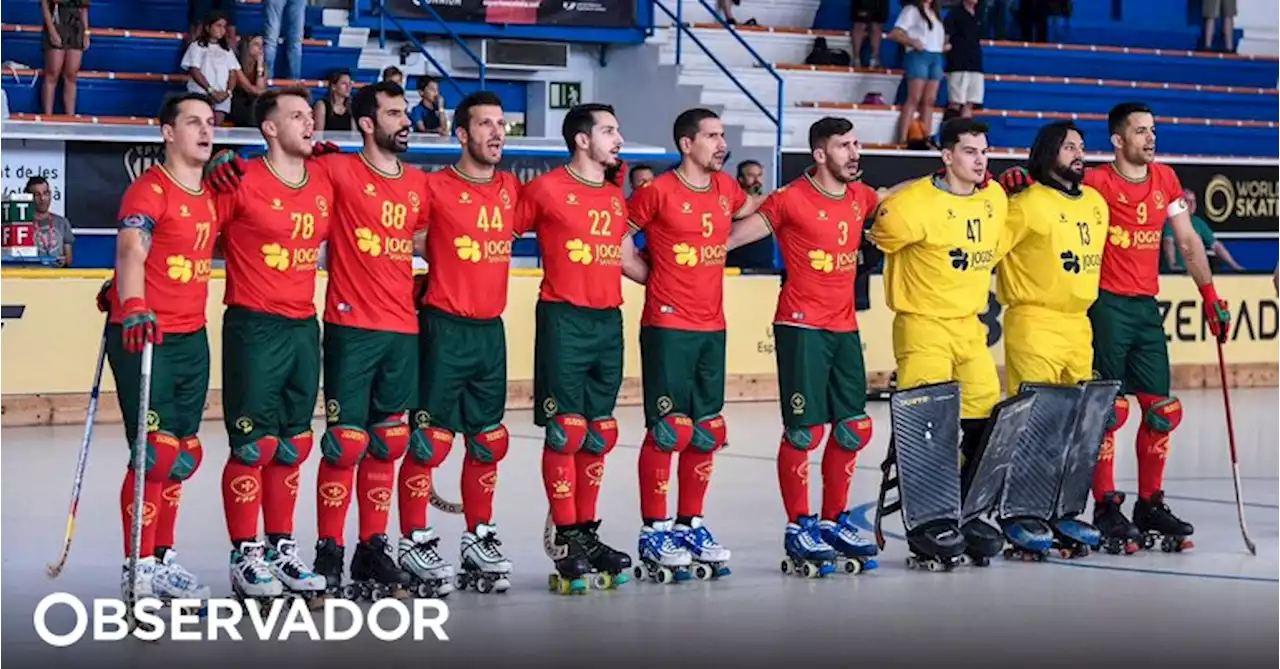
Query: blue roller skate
663	559
1031	539
854	554
710	559
807	554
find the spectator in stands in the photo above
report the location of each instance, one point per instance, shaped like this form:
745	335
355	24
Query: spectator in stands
393	73
54	236
1212	10
869	17
1219	256
965	83
429	115
758	254
1033	20
924	40
640	175
197	10
333	112
251	81
66	36
211	67
292	16
726	10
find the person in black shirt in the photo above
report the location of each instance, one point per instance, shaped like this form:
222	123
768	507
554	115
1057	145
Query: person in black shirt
965	82
758	254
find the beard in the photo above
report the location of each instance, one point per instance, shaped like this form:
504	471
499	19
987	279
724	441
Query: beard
395	142
1069	175
478	153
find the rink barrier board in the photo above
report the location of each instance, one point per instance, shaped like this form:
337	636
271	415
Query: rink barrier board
51	329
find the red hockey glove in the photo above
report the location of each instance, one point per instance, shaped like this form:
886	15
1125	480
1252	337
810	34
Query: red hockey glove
1015	180
104	297
1216	312
139	325
222	173
324	149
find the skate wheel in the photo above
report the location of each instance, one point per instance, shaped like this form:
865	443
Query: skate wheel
423	591
810	570
934	565
911	562
553	582
1084	551
350	591
665	576
1064	553
602	581
702	572
1148	541
640	572
483	586
982	561
852	567
786	566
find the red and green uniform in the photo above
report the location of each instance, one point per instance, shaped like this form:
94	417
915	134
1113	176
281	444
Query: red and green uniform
462	374
578	348
272	234
183	226
682	331
1128	331
370	345
821	376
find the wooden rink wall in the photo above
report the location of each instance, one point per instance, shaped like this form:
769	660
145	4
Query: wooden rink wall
51	312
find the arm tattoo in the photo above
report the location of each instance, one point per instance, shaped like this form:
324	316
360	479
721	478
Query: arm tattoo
146	239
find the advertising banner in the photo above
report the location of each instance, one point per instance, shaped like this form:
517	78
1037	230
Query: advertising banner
579	13
98	173
26	158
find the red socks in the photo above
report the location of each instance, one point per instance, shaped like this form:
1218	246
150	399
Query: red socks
333	499
1153	444
414	491
479	480
695	475
152	491
279	497
837	474
1104	473
588	479
655	479
793	479
241	500
374	479
559	475
167	519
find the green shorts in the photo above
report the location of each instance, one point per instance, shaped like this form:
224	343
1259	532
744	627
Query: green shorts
462	375
368	374
1129	344
577	361
683	372
270	374
821	375
179	382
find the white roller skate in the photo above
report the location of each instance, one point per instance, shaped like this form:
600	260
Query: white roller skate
295	577
710	559
432	575
662	558
173	581
483	565
854	553
144	583
807	554
251	577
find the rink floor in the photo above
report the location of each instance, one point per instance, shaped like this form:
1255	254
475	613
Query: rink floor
1215	604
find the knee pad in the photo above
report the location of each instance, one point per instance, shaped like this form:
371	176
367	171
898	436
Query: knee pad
1119	414
672	433
602	436
566	432
344	446
430	445
710	434
389	439
163	451
803	438
293	451
490	445
852	434
190	455
256	453
1164	415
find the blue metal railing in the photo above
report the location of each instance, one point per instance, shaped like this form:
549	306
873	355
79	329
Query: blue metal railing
682	29
383	15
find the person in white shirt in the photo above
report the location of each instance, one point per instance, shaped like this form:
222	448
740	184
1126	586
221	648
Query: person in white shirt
924	39
211	67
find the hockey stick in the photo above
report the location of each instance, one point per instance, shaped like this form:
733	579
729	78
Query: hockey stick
139	481
1235	461
53	570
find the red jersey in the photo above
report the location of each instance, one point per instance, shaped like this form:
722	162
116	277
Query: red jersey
272	235
687	233
371	243
184	226
1139	209
818	234
473	223
580	226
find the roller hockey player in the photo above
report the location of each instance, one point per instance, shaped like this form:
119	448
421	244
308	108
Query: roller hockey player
686	215
579	216
818	221
1128	332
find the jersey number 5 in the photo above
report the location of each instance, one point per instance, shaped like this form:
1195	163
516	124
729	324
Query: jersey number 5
707	226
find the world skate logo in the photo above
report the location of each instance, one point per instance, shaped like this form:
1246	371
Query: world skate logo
333	494
419	486
1070	262
244	488
381	498
959	259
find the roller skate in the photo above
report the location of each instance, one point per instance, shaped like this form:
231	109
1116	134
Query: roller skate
1157	523
483	565
295	578
807	554
1030	539
609	567
710	559
1118	534
935	546
173	581
854	554
251	577
329	564
573	566
981	542
1074	538
662	558
374	572
429	574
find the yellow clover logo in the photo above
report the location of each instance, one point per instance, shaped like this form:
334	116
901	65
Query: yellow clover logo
578	252
368	242
685	255
180	268
276	257
821	261
468	248
1120	237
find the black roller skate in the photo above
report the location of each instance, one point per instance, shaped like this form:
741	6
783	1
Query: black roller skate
981	542
1118	534
1156	522
572	565
935	546
329	564
609	566
374	572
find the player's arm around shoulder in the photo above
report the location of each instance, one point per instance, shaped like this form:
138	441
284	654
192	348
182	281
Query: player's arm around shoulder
762	222
896	224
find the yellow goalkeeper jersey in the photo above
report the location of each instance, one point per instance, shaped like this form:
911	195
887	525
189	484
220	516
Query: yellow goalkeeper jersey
1055	254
